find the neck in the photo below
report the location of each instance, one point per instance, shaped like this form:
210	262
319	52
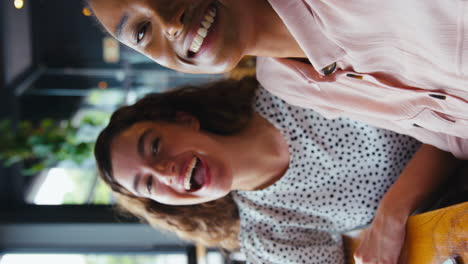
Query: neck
269	35
260	155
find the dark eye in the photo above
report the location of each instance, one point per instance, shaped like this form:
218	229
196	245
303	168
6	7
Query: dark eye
149	184
155	146
141	32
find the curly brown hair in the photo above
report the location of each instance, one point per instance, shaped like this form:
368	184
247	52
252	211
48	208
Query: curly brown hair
222	107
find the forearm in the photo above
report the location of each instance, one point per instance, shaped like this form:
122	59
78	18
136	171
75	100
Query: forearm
383	240
428	168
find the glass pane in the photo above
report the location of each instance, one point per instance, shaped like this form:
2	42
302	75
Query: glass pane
102	194
61	186
107	97
69	183
214	257
163	258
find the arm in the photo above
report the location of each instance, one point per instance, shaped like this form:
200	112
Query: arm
384	239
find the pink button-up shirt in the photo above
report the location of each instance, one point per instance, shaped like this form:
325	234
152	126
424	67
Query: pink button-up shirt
401	65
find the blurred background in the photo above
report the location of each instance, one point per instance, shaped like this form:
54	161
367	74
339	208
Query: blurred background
61	77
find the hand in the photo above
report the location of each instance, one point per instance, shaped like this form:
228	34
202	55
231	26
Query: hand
383	240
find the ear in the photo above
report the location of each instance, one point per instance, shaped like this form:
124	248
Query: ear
186	119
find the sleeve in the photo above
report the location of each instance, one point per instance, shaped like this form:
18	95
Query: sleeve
459	147
274	75
290	245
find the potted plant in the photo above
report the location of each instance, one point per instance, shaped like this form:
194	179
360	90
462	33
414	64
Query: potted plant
40	145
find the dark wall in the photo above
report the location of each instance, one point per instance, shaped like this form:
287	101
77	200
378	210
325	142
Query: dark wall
15	58
63	36
16	38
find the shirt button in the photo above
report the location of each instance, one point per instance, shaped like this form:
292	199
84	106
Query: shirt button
329	69
437	96
354	76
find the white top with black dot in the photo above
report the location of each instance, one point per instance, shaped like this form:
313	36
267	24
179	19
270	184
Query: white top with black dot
338	172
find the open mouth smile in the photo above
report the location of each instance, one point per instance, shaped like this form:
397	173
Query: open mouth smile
202	31
194	176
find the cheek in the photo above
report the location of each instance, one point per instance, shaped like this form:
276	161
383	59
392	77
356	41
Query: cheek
163	52
166	196
162	195
165	57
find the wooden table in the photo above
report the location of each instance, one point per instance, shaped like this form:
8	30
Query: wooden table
431	238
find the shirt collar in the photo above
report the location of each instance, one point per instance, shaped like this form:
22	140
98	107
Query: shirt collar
305	27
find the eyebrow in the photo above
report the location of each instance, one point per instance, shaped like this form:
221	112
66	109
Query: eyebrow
136	180
121	25
141	152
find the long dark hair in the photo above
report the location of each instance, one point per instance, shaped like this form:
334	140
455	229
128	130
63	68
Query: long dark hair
224	108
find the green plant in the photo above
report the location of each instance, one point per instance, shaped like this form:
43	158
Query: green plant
43	144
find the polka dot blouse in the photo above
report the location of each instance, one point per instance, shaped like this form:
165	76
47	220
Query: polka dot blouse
338	172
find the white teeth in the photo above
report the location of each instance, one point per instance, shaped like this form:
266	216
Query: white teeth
209	18
188	173
202	31
206	24
195	47
198	39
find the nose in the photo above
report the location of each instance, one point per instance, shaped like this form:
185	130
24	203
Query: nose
165	171
173	24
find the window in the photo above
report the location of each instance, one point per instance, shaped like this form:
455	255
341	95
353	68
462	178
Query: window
167	258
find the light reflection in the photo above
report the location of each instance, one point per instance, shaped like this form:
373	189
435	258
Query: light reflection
42	258
18	4
86	11
56	185
102	85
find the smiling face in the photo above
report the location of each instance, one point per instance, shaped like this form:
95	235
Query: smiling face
195	36
175	164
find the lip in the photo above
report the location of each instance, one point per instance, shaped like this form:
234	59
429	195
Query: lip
207	174
192	32
182	174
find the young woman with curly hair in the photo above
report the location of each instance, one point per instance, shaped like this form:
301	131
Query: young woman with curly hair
231	165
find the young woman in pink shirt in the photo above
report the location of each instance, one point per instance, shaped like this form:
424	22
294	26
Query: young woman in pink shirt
394	64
